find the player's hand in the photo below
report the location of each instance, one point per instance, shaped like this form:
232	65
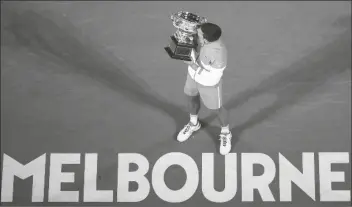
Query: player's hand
193	65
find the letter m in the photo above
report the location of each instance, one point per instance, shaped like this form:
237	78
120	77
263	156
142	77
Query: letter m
12	168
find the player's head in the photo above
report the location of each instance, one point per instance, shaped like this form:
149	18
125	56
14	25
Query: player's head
209	32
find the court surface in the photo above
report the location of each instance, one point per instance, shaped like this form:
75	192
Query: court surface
93	77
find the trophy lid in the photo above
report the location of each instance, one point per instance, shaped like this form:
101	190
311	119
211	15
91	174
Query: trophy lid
189	17
187	21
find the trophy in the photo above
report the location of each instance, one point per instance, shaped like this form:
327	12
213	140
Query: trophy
185	37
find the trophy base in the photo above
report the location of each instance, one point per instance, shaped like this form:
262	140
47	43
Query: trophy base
175	56
179	51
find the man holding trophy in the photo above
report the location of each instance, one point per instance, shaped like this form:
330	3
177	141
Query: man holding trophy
206	57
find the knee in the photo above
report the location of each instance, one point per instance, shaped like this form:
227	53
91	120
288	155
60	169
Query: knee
221	110
193	97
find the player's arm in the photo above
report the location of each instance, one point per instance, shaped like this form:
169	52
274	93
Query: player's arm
207	66
212	61
193	63
206	62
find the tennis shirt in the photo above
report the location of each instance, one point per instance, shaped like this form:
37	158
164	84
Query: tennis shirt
212	61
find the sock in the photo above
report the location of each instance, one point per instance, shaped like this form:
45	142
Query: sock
194	119
225	129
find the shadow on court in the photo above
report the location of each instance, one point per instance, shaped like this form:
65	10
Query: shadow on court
65	45
292	84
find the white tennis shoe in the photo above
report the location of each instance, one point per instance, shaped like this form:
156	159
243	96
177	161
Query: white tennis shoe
225	143
187	131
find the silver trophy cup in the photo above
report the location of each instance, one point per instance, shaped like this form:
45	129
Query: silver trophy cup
185	38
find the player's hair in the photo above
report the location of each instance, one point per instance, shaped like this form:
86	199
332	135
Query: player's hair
211	31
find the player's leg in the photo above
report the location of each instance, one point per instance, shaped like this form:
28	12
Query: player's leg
223	116
222	112
212	99
193	105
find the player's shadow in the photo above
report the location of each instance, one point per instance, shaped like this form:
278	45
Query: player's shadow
292	84
62	42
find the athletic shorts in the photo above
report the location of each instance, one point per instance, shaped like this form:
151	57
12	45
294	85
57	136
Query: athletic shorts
211	95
